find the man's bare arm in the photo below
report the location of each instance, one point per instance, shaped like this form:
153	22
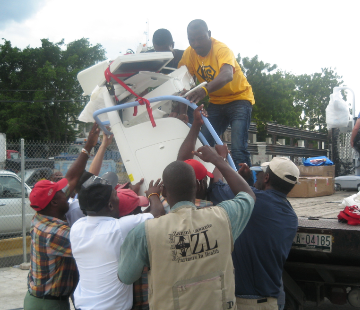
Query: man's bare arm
96	164
223	151
77	168
225	76
188	146
234	180
156	207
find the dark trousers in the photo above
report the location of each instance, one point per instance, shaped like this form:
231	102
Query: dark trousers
237	114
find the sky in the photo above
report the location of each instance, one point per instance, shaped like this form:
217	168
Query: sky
298	36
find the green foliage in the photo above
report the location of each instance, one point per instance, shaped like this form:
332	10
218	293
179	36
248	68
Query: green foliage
47	99
313	95
274	93
287	99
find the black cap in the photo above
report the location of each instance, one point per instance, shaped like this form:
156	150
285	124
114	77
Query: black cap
95	193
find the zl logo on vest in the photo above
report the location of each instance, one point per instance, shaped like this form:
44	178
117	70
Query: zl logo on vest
188	246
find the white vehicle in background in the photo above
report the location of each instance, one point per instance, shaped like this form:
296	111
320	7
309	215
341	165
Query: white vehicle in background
10	204
347	182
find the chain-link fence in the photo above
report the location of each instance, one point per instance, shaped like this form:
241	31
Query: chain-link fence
41	160
343	153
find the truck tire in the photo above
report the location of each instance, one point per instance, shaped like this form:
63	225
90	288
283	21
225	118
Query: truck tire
338	187
353	297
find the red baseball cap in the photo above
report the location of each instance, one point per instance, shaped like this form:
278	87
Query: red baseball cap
199	168
44	191
129	201
121	186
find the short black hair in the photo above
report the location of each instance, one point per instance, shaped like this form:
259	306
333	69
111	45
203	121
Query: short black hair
278	183
198	23
180	181
162	37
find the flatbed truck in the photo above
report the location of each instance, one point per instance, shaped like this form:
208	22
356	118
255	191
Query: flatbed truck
324	261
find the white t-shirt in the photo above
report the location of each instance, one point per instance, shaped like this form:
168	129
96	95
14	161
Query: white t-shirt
95	243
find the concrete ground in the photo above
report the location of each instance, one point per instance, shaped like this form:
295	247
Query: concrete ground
13	287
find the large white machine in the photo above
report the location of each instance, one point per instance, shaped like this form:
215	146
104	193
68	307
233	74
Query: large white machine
145	150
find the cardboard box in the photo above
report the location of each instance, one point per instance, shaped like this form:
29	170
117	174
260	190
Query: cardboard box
313	187
314	171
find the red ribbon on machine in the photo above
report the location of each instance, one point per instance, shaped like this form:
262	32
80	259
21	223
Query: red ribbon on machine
141	100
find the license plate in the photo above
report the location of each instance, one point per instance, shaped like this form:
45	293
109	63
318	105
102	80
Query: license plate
313	242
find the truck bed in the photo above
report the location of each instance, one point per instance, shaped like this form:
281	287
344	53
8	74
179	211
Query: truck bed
326	207
320	237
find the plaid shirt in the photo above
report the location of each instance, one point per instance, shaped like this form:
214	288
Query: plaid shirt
140	292
140	287
53	270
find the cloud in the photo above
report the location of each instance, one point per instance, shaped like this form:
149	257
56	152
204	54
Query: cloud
18	11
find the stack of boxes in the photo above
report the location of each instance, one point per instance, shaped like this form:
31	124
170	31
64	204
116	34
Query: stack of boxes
314	181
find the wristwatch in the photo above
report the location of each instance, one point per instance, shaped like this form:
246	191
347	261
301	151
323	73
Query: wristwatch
85	152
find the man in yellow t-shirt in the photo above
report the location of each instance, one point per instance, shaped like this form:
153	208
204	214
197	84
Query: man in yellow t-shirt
231	96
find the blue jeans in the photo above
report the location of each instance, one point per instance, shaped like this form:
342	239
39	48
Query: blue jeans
237	114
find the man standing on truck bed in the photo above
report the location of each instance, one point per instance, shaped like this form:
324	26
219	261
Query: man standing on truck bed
231	96
163	42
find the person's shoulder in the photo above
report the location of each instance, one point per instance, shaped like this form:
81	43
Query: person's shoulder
188	53
134	218
50	224
139	231
79	223
179	53
241	199
217	45
273	199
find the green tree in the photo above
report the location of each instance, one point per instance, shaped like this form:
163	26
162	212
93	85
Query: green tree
313	95
274	93
40	96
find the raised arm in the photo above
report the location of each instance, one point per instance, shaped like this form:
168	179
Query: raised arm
188	146
234	180
223	151
153	193
96	164
77	168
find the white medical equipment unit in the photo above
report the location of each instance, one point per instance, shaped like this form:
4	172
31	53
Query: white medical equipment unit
146	144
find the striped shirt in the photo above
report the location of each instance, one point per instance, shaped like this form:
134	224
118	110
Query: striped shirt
52	267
